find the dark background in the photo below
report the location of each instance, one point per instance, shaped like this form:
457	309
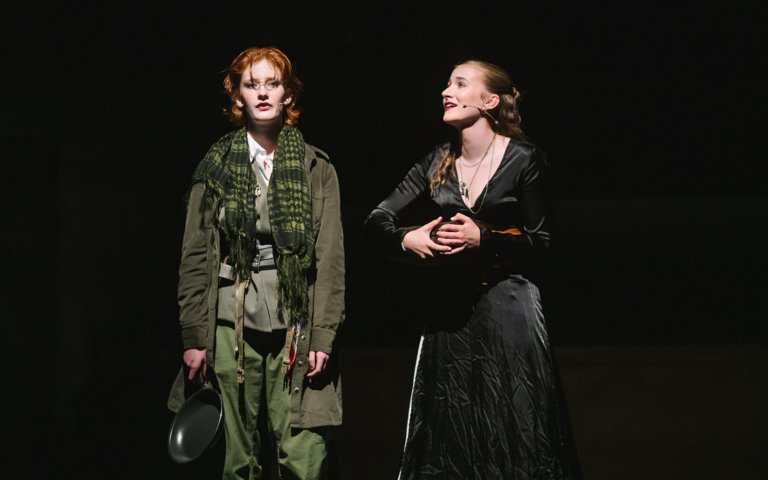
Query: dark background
652	115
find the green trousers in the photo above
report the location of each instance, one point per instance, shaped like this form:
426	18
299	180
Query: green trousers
298	453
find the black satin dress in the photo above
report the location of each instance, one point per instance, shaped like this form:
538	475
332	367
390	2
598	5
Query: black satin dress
486	401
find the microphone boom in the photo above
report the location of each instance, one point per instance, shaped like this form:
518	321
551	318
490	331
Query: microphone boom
483	111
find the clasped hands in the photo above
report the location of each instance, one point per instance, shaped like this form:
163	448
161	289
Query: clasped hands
450	238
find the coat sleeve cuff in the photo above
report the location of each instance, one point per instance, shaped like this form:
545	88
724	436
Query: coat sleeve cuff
322	340
193	337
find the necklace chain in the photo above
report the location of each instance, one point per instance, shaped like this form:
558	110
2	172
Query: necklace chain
485	189
463	187
467	165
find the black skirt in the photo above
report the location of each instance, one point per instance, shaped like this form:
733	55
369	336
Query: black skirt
487	402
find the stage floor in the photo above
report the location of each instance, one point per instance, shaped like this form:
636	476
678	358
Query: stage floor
638	412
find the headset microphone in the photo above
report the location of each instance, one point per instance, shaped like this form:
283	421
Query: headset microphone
483	111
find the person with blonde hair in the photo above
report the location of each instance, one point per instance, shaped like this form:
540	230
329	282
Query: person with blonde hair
486	401
261	281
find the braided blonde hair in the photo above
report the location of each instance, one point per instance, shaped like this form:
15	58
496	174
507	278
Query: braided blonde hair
506	113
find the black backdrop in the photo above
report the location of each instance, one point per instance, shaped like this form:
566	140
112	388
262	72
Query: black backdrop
652	116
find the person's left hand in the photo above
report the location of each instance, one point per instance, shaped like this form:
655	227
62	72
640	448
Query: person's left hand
317	363
462	233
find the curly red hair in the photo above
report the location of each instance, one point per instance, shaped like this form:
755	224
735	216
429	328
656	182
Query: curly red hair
280	62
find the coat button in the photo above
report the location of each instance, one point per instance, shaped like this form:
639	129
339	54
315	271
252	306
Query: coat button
295	389
300	363
303	336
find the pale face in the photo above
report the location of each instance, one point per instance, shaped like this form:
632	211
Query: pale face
262	106
465	91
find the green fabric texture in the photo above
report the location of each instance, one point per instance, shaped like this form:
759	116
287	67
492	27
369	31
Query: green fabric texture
226	171
290	213
299	453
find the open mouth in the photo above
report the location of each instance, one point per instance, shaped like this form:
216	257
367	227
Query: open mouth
448	105
263	106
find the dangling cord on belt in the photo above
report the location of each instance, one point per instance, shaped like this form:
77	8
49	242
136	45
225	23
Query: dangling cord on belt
239	319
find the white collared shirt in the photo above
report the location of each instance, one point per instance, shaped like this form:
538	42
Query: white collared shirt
259	154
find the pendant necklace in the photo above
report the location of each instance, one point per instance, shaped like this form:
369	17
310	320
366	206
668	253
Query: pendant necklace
463	187
485	190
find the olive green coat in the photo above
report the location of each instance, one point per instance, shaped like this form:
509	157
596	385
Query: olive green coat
313	404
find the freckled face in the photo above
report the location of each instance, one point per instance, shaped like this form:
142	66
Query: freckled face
262	94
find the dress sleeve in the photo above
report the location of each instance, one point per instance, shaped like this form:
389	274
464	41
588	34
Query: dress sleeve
382	223
533	236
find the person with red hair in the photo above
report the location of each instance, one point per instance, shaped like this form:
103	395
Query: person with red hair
261	280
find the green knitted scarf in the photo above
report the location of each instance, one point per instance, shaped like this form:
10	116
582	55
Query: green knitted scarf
226	172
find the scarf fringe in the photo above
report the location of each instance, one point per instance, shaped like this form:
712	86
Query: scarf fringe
292	298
